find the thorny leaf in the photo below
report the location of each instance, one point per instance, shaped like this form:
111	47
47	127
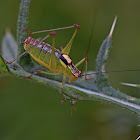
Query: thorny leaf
9	47
81	90
131	85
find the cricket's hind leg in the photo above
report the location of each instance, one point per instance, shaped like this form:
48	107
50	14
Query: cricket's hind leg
51	30
67	49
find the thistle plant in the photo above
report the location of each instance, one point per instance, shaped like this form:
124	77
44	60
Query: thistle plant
97	88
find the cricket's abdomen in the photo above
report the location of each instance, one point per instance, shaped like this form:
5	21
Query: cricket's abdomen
40	51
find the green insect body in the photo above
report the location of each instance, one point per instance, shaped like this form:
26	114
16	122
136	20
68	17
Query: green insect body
42	54
58	62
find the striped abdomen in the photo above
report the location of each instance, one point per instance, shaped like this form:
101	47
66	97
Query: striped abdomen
40	50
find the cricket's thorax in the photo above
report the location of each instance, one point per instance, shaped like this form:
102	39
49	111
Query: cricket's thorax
41	51
68	62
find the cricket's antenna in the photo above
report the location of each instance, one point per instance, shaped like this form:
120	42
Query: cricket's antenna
110	72
90	40
91	34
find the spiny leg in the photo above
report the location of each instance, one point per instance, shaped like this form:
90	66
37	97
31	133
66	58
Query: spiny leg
50	30
66	50
40	71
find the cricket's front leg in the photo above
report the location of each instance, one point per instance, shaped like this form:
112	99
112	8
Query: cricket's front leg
83	61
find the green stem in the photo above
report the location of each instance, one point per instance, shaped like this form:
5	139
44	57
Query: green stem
78	93
22	23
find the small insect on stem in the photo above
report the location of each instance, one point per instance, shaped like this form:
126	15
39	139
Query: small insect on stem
58	62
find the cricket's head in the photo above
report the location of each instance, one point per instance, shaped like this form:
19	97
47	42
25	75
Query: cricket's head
27	40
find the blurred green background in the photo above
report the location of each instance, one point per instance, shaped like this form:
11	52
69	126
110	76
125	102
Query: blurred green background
31	111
